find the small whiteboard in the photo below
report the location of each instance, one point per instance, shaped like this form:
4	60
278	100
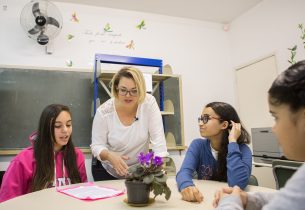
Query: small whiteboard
148	82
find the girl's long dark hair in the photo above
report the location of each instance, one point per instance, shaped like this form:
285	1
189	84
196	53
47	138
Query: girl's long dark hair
227	113
289	87
44	150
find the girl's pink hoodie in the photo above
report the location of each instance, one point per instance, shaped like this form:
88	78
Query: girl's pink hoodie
17	179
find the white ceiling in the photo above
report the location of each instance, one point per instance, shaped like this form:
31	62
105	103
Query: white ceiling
221	11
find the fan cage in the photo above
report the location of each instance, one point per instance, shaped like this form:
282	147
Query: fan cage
47	9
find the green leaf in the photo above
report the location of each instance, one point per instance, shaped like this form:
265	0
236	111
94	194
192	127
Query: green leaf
161	179
136	171
159	173
157	189
300	26
294	48
148	179
133	168
158	169
167	192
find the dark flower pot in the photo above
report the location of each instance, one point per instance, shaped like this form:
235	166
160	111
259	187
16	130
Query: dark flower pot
137	192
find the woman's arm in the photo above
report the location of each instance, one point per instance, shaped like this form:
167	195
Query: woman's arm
99	135
156	130
99	141
239	164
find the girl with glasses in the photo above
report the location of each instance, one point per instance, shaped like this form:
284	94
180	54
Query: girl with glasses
124	126
222	153
52	160
287	106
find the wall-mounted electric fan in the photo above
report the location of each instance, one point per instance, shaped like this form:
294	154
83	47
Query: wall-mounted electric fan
41	20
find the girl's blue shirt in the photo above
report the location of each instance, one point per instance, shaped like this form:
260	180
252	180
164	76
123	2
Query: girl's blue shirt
199	159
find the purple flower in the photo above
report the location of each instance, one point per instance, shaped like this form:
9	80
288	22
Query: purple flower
142	158
157	161
149	156
145	159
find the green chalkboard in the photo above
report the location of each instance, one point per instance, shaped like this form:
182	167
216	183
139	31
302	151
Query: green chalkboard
24	93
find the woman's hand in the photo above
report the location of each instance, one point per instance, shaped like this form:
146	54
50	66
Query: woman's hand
235	131
230	191
118	163
191	194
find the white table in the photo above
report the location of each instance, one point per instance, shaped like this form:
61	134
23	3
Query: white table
49	199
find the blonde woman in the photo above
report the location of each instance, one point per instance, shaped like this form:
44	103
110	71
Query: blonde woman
124	126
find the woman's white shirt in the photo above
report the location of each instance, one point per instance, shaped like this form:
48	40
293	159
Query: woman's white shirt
108	133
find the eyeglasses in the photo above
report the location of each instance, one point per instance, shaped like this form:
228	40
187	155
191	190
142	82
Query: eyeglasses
205	118
124	91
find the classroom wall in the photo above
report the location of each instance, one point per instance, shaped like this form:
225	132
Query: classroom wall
201	52
197	50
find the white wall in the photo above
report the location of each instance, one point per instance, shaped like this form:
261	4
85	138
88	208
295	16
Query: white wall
197	50
270	27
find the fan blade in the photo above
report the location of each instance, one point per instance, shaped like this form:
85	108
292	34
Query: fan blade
34	30
52	21
36	10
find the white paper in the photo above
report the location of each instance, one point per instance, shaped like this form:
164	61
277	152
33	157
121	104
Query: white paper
148	82
92	192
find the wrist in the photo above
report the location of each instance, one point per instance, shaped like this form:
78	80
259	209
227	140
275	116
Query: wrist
105	155
232	140
109	156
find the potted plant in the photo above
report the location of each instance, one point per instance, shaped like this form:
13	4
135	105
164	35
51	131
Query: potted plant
145	176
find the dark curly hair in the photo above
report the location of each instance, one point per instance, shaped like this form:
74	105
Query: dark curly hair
289	87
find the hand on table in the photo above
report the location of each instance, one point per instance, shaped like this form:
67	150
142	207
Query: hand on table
230	191
191	194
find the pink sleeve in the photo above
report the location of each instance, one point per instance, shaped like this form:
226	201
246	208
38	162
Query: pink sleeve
80	161
16	181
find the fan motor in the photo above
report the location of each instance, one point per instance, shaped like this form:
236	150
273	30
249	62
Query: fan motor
40	20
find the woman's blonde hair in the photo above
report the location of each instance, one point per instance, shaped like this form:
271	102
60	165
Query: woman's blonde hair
130	73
